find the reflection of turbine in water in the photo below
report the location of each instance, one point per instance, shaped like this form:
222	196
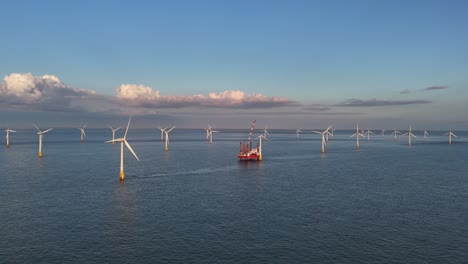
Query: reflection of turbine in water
357	134
41	134
8	136
450	134
323	137
113	133
123	141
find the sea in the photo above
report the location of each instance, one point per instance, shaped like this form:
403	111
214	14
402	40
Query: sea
197	203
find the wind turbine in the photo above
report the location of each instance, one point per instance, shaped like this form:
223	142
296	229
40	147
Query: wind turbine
357	134
113	133
167	137
162	132
83	134
383	132
395	132
450	134
297	132
265	132
425	135
210	134
409	136
8	136
368	132
260	146
41	134
123	141
323	137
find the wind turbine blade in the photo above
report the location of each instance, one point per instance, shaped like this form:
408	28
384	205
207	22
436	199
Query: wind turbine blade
110	127
128	125
454	135
37	128
85	125
316	132
11	130
413	135
405	134
170	129
47	130
131	150
84	133
445	134
352	135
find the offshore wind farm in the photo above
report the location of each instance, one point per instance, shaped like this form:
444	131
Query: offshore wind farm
126	134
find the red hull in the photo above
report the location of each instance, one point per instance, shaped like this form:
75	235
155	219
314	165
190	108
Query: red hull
246	156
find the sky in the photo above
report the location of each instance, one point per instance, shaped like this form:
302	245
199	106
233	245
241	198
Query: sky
287	64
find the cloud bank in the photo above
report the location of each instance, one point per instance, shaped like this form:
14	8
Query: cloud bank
144	96
44	93
24	91
375	102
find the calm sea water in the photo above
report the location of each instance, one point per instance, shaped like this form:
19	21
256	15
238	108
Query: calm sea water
196	203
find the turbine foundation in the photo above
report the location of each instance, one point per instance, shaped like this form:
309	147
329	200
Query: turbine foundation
122	175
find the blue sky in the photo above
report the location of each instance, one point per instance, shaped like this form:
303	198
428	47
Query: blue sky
309	63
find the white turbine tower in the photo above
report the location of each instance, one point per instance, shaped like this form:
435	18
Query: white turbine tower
113	133
357	134
210	134
409	136
83	134
167	138
383	132
450	134
41	134
8	136
395	132
162	132
260	157
425	134
323	137
368	132
297	132
123	141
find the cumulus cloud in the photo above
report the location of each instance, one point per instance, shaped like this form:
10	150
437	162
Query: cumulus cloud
375	102
435	87
145	96
46	93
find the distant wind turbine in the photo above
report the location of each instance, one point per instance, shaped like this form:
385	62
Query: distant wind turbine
113	133
368	132
297	132
260	157
395	132
357	134
450	134
83	134
123	141
383	132
166	132
8	136
41	134
323	137
265	132
210	134
410	134
425	134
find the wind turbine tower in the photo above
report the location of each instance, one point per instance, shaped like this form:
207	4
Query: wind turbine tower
123	141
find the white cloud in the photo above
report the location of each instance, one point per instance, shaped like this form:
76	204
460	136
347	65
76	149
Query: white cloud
46	92
145	96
